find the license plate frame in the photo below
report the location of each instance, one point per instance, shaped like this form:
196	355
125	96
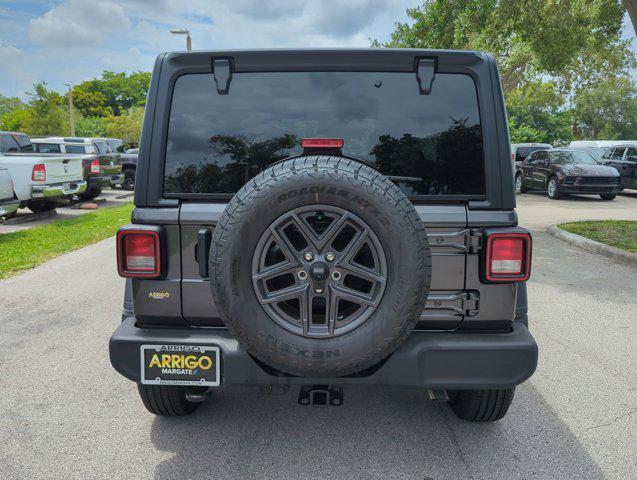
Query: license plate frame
174	375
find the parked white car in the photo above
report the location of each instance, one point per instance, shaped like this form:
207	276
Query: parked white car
600	143
40	182
8	201
519	151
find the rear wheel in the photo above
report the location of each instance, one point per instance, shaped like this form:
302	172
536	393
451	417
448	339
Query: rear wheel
608	196
481	405
37	206
552	189
129	179
167	400
90	194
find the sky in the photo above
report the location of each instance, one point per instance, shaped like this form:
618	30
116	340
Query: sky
69	41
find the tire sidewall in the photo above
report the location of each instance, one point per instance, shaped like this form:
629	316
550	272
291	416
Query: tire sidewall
408	274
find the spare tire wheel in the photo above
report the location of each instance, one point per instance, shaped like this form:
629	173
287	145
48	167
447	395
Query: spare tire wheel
320	266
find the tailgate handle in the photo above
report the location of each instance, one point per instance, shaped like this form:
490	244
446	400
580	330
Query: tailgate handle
222	71
425	73
204	237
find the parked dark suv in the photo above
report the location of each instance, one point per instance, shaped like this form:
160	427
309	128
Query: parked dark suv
563	171
322	218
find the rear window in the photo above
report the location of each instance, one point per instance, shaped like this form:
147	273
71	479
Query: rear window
428	144
47	147
522	152
8	144
75	148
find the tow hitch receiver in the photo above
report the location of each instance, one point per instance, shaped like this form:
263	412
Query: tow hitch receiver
321	395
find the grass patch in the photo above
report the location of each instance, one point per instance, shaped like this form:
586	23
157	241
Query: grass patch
617	233
28	248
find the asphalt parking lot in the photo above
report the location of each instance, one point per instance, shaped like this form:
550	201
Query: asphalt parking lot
67	414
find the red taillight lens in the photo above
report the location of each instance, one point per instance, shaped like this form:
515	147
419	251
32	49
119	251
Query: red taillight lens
508	257
38	174
322	143
138	253
94	167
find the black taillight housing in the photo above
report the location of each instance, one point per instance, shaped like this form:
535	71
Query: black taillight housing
139	251
507	256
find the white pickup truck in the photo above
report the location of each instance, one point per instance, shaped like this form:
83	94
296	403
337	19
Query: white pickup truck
40	181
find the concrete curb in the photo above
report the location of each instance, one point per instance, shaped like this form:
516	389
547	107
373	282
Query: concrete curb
617	254
30	217
126	195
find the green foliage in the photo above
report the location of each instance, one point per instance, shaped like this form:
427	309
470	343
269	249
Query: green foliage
10	104
607	110
536	114
47	113
90	127
127	126
14	120
111	94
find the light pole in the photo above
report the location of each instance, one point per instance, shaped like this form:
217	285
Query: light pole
184	31
71	112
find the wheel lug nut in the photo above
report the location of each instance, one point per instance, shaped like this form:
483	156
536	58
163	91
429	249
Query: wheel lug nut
329	256
336	276
318	290
302	274
308	256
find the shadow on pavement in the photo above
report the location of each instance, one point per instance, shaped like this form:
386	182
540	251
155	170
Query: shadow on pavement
377	433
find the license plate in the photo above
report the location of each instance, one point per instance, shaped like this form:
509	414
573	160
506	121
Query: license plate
180	365
66	186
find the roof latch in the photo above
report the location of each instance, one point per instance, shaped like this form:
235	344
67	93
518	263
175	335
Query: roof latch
425	73
222	71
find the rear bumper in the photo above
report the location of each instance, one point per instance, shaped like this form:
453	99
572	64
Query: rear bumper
438	360
99	182
59	190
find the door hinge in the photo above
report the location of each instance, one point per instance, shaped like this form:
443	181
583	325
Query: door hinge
468	240
462	303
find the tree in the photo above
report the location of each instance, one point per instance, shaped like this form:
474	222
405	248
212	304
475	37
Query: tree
13	121
10	104
90	127
127	126
536	114
576	42
607	110
112	94
47	113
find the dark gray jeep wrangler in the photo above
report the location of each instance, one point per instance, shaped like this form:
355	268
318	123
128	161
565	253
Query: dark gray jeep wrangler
322	218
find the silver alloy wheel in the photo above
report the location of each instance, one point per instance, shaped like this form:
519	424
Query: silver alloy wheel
552	188
337	295
518	183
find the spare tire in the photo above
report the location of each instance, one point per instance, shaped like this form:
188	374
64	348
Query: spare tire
320	266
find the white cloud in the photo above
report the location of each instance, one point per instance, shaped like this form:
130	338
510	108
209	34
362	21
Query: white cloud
78	23
16	74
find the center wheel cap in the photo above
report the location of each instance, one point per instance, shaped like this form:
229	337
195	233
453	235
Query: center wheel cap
319	271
